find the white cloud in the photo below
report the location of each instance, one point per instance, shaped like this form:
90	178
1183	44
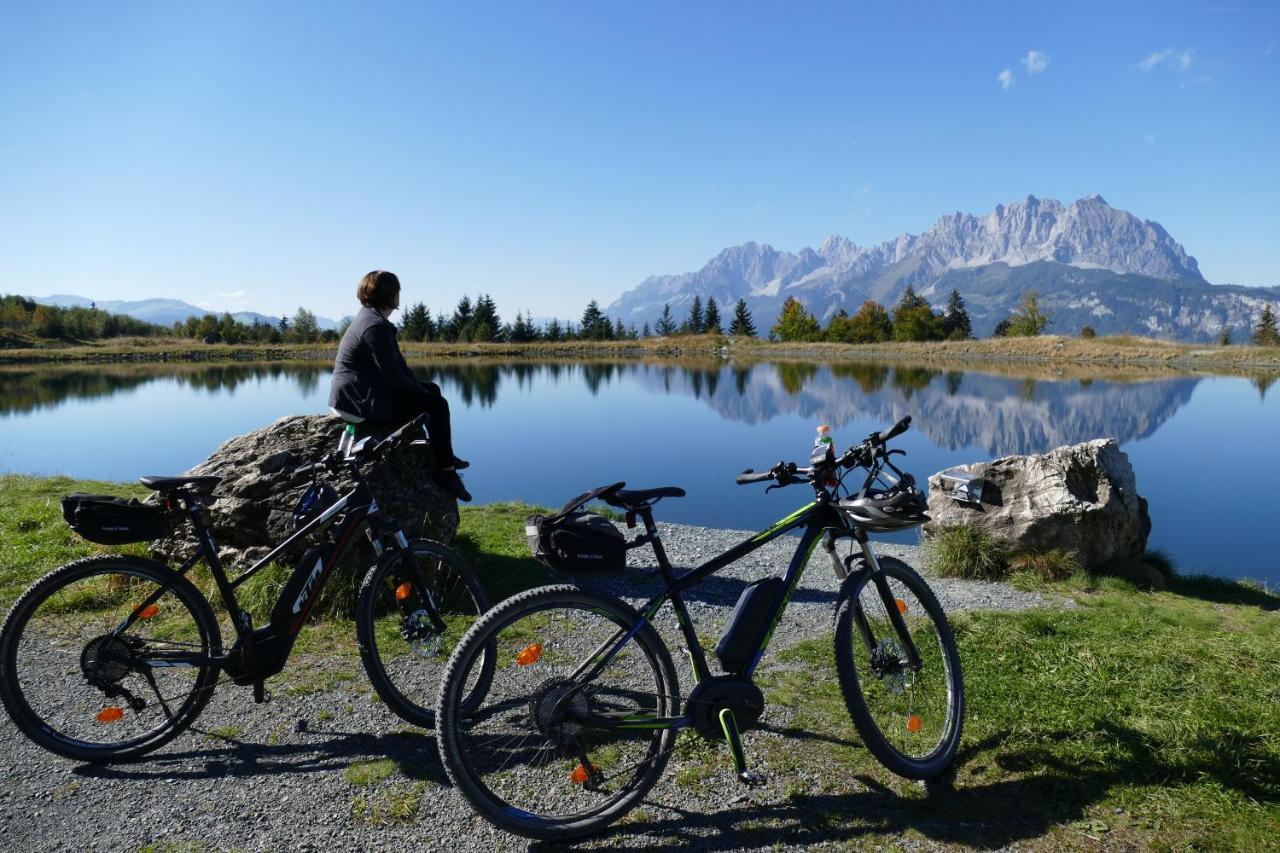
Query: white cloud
1005	78
1036	61
1177	59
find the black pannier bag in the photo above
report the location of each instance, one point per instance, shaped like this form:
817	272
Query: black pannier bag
110	520
748	622
578	543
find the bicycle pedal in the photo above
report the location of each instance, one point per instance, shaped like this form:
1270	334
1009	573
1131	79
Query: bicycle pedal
752	779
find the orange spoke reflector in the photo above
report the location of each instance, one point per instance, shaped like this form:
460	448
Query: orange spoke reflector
913	723
148	611
579	775
529	654
403	591
110	714
902	605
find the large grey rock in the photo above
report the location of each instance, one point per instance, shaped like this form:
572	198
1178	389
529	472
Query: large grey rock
254	507
1082	497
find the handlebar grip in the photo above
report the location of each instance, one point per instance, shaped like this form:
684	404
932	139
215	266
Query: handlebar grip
897	429
748	476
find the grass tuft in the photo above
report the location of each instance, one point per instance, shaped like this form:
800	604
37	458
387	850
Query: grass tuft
966	551
1053	565
1162	563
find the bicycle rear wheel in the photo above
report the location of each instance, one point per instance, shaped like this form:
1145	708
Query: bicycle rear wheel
79	683
402	650
910	719
525	758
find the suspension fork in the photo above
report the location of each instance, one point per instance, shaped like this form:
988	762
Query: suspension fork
409	568
890	605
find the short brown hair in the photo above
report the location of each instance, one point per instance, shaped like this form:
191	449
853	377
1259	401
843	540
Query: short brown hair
378	289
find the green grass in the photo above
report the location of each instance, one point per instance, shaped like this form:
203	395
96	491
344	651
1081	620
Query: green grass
1052	565
966	551
393	804
368	772
1150	718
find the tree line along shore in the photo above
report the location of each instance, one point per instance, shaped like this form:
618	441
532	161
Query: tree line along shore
1042	349
34	333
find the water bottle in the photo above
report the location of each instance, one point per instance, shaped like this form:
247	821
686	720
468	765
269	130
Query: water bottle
823	446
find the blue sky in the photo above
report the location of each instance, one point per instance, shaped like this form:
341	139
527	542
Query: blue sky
266	155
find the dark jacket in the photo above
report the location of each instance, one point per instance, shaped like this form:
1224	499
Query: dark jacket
370	377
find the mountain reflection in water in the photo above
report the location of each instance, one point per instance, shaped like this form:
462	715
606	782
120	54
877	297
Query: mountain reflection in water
1001	414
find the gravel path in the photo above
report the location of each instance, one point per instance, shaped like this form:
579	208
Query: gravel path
354	776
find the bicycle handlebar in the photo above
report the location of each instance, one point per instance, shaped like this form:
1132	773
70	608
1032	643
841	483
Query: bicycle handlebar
897	429
862	454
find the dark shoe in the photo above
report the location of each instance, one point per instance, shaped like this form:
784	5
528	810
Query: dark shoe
460	463
452	483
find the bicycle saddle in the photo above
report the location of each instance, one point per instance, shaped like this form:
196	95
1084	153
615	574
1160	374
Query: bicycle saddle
167	484
636	498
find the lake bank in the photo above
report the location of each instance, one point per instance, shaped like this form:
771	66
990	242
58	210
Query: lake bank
1130	720
1045	349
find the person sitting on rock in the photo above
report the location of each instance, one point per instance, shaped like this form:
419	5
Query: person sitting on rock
373	387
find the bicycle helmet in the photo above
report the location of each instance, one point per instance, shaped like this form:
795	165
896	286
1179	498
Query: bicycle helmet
885	510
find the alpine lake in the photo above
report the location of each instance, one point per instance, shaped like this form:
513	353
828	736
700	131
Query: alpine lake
1204	447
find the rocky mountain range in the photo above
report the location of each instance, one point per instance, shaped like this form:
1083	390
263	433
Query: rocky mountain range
1091	263
163	312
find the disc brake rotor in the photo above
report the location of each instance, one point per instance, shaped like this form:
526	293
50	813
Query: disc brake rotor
416	628
896	677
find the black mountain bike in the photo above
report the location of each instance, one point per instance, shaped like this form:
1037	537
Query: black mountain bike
110	657
582	712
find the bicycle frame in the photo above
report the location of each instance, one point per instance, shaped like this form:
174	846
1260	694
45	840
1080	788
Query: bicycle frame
816	518
262	652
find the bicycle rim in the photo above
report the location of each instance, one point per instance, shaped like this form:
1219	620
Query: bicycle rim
81	684
522	754
909	716
404	650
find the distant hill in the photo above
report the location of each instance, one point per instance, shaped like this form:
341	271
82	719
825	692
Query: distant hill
1092	264
163	312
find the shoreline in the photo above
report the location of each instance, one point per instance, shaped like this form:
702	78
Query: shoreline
1046	349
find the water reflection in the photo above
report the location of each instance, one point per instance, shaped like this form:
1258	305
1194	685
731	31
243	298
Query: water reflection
1019	413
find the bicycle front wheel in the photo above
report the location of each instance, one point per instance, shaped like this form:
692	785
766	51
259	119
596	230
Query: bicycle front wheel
536	757
909	717
402	647
108	658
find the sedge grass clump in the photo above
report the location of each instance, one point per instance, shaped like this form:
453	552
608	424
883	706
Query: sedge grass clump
966	551
1162	563
1056	564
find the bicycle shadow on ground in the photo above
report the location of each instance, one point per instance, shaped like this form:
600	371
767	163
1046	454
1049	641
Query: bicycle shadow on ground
1047	793
323	751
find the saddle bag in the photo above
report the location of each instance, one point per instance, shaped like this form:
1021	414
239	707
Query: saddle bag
110	520
575	542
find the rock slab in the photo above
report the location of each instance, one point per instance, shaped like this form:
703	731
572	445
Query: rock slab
253	510
1082	497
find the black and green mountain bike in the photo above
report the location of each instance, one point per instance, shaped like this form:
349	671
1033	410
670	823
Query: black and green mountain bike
584	705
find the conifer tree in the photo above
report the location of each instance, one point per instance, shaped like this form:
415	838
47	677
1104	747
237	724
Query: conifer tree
595	326
696	319
956	319
742	323
666	326
711	325
1265	334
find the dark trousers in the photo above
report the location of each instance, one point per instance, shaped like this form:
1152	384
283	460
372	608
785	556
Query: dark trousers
436	408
